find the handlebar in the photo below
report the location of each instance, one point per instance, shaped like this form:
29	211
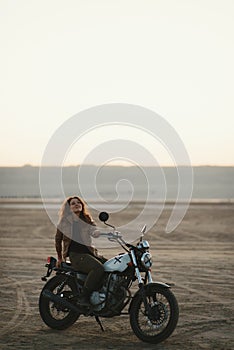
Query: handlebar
114	235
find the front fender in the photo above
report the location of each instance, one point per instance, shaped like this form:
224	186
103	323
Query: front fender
147	288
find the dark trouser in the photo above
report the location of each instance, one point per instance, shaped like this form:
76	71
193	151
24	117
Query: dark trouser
87	263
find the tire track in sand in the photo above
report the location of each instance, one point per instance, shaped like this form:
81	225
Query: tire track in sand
22	308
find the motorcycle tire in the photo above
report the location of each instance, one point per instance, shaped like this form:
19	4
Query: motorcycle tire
160	321
55	316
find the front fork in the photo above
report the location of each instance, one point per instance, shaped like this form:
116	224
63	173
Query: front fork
148	276
141	282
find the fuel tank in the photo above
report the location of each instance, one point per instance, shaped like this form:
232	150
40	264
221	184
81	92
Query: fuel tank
117	263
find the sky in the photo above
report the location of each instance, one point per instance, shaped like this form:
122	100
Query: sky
174	57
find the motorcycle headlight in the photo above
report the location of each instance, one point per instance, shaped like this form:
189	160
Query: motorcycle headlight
146	260
143	245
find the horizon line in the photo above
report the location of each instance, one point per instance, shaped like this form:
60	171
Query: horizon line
114	166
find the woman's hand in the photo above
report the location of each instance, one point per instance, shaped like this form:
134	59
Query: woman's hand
96	233
58	263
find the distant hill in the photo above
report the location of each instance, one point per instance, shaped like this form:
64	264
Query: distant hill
209	182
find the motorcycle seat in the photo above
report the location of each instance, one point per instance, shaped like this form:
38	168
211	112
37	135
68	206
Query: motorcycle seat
67	267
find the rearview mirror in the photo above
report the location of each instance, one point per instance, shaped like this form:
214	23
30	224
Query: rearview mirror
103	216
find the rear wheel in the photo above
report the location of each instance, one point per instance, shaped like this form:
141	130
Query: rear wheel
155	323
54	315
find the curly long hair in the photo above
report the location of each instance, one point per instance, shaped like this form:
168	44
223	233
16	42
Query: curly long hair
84	214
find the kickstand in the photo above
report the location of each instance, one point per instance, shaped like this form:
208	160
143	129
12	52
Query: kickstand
99	322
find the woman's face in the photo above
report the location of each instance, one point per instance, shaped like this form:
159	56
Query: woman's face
75	206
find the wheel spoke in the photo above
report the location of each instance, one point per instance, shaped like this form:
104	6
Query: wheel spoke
157	318
59	312
54	314
157	322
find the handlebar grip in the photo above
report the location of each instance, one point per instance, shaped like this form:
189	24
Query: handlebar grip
106	234
111	235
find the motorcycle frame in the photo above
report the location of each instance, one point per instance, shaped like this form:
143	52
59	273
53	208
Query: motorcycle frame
143	283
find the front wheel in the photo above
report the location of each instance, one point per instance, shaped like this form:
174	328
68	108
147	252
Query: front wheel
54	315
157	321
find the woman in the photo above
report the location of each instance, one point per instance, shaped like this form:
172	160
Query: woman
74	239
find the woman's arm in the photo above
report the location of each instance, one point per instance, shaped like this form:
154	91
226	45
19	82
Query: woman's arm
96	233
58	245
93	230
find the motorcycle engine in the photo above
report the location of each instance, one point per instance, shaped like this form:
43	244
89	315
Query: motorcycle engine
112	295
117	292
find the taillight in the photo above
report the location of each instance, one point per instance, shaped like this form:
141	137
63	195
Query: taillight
51	262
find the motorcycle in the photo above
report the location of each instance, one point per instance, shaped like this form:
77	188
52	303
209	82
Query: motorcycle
153	309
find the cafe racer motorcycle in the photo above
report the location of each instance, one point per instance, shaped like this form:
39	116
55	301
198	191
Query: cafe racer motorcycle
153	309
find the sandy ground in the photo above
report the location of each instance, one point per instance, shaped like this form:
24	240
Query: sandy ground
197	257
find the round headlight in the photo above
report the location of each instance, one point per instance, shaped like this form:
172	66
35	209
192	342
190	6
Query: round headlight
143	245
146	260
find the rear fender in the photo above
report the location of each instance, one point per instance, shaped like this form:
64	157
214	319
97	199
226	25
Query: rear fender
51	265
147	288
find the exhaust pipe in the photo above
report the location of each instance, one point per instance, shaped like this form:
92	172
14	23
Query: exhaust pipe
63	302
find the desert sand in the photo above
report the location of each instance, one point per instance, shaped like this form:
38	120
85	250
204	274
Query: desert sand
197	257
